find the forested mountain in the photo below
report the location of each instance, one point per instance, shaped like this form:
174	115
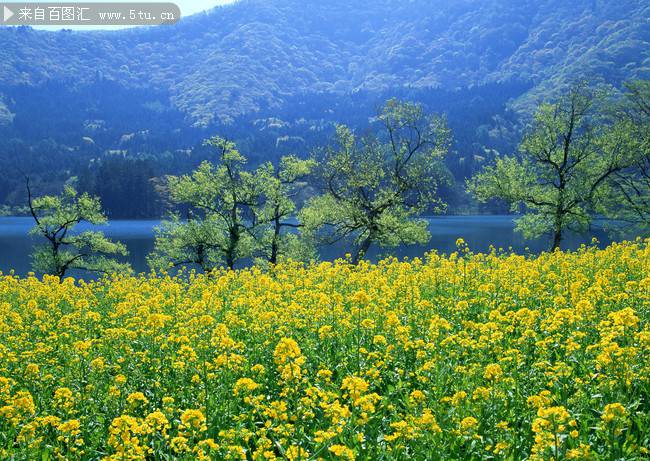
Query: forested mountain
275	74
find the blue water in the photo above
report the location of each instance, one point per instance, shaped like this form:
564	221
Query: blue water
478	231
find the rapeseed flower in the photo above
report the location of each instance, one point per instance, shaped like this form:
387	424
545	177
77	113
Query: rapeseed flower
461	356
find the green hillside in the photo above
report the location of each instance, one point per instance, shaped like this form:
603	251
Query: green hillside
275	75
254	54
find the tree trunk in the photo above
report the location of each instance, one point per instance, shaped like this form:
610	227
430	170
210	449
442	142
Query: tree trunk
201	260
557	239
275	244
232	249
559	212
233	239
60	269
363	249
230	261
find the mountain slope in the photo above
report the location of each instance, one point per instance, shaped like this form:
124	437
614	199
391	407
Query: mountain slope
118	110
257	54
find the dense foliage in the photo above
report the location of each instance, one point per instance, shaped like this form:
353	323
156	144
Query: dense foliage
466	356
566	157
627	198
576	160
375	186
372	190
64	247
275	76
241	58
232	212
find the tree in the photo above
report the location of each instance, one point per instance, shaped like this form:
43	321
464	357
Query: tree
564	161
124	186
193	241
280	185
55	219
627	198
376	185
221	220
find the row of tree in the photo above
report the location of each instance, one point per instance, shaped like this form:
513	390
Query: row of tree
583	156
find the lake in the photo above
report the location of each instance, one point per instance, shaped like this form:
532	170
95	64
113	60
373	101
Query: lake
478	231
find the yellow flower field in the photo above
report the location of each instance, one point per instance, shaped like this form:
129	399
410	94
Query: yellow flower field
466	356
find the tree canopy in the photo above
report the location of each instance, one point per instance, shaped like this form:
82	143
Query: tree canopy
376	185
564	161
627	197
233	212
281	184
56	218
